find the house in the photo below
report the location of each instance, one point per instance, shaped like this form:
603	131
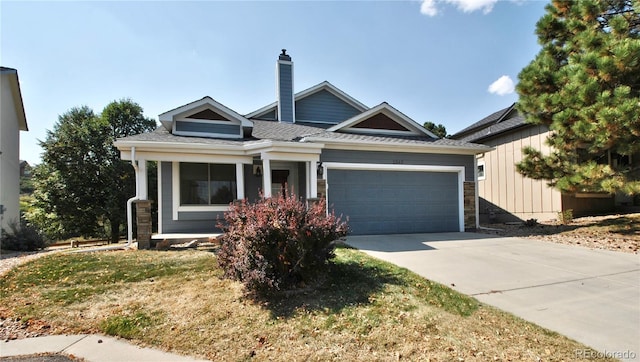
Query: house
12	121
375	165
505	195
25	169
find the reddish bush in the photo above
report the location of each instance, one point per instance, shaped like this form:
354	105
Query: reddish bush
278	243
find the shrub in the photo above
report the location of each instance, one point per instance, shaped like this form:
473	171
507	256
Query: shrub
531	223
278	243
23	238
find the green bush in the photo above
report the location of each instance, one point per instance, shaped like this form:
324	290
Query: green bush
278	243
23	238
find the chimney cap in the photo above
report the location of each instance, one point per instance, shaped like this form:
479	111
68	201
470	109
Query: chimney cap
284	55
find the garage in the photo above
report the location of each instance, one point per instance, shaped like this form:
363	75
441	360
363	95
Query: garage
396	199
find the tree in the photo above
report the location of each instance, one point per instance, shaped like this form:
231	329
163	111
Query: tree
125	118
438	130
584	84
82	185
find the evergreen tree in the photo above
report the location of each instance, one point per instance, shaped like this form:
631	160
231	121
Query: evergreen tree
585	86
438	130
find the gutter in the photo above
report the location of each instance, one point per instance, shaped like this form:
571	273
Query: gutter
131	200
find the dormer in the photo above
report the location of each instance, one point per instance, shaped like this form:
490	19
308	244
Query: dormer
382	119
205	118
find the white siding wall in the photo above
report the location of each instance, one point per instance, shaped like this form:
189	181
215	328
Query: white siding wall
9	159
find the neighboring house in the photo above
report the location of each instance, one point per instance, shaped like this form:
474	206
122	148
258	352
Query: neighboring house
506	195
375	165
25	169
12	121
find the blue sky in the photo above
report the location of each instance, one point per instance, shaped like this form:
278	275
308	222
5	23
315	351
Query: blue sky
445	61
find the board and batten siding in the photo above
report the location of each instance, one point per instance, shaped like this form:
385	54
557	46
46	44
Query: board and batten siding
504	191
323	107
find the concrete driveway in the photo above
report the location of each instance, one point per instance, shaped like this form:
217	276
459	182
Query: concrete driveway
591	296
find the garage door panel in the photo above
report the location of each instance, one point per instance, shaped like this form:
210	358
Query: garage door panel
384	202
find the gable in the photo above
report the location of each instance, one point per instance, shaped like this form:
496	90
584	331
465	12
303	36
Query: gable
205	118
323	107
380	121
323	103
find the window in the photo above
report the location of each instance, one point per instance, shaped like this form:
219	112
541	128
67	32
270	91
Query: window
481	175
207	184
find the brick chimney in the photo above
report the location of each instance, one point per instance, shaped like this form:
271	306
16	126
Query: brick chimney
284	88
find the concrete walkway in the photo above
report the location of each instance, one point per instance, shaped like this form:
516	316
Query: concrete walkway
92	348
591	296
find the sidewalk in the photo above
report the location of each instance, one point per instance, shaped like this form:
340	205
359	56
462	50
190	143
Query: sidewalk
92	348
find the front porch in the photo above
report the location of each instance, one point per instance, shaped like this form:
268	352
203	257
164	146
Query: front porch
196	188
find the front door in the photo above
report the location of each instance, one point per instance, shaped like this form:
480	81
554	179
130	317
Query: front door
283	178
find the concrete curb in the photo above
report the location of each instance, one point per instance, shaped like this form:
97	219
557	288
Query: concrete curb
93	348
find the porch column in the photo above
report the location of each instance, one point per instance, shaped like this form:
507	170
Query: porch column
141	180
266	178
239	181
313	179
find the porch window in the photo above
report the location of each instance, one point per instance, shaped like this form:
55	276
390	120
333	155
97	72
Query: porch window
207	184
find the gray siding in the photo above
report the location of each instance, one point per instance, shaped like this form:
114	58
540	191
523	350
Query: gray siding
192	222
205	127
270	116
286	92
391	202
401	158
324	107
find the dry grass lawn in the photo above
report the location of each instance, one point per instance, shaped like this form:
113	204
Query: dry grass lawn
366	310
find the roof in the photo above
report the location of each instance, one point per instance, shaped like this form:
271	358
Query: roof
287	132
17	96
492	125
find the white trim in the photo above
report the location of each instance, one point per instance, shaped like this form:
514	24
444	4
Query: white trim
159	170
376	131
392	167
388	111
206	134
361	145
239	181
476	191
168	117
175	188
478	163
175	191
266	178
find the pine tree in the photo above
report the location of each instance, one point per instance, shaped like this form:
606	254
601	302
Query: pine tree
584	85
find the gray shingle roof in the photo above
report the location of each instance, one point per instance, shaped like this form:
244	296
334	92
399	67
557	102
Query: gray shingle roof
496	123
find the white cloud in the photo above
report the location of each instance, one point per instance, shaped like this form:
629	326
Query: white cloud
429	8
504	85
469	6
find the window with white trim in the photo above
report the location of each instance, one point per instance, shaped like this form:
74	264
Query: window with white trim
207	183
481	170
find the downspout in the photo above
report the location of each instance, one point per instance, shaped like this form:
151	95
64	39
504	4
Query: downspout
131	200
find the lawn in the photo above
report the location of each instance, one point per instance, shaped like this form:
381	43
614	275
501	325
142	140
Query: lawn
365	310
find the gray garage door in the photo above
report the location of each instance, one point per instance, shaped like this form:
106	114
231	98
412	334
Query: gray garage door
390	202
